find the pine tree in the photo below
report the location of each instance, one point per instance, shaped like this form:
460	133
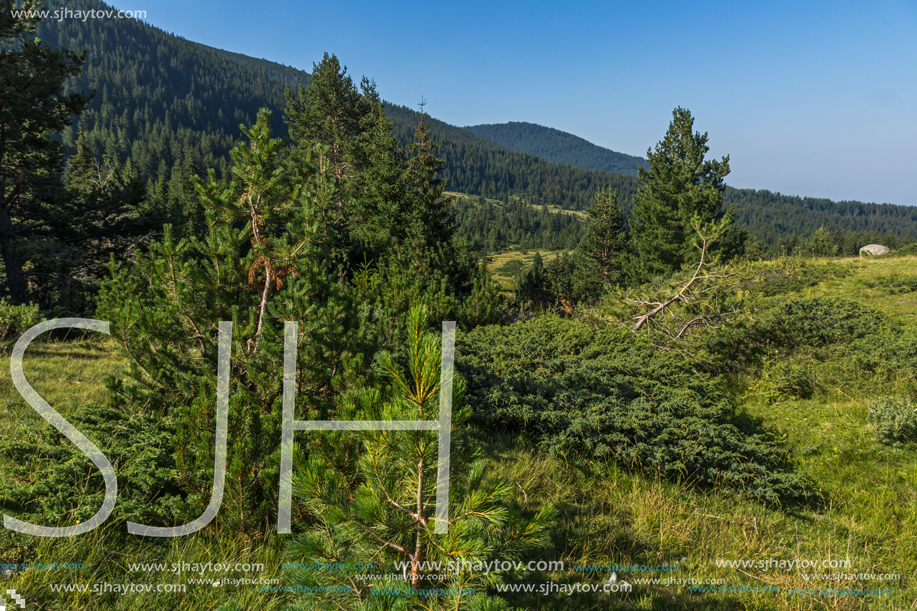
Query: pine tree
109	215
531	286
821	244
678	187
360	153
381	509
34	106
560	274
602	253
82	172
257	265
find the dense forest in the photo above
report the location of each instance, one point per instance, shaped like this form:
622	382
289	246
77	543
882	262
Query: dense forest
173	107
169	104
770	217
490	226
773	217
559	147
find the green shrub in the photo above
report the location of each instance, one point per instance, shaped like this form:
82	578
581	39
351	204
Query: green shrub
784	381
610	394
53	482
819	321
792	275
893	420
511	267
16	320
381	505
794	382
792	325
895	284
906	250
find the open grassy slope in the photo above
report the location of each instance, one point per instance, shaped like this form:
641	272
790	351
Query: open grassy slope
608	515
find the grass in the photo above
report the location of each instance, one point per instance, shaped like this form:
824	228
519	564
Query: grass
611	516
497	202
499	264
68	375
872	281
608	515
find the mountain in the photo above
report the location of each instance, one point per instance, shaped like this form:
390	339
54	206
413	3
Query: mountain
172	108
774	217
559	147
769	216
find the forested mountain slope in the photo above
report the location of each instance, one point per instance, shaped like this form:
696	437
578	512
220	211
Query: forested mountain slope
173	107
167	103
767	215
559	147
773	216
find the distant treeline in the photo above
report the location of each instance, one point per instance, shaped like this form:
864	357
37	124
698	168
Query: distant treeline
772	217
172	107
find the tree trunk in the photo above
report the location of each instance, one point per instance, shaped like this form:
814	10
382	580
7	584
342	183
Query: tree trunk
15	279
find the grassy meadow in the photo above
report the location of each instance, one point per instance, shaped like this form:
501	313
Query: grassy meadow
607	514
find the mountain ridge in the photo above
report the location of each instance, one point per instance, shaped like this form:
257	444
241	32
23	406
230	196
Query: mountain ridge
173	107
558	146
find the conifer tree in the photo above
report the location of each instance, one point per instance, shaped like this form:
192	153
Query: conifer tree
256	265
678	187
361	154
82	172
108	214
602	253
558	277
530	286
382	511
34	106
823	244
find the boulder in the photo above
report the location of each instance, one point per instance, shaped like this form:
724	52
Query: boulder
874	249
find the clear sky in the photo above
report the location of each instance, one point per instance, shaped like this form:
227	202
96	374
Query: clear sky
816	98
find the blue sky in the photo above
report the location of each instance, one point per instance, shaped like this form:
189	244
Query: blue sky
812	99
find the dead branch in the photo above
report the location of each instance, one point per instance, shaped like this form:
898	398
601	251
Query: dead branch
690	290
678	296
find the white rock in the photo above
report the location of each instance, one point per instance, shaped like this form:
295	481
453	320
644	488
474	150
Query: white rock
874	249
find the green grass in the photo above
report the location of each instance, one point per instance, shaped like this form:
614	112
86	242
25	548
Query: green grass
68	375
873	283
608	514
496	264
612	516
497	202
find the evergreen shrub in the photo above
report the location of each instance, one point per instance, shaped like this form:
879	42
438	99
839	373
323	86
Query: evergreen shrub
795	324
609	394
52	483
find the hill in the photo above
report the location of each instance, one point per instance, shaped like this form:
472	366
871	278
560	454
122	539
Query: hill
774	217
170	105
771	217
173	107
559	147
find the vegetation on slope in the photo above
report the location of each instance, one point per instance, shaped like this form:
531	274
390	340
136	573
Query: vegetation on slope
558	147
